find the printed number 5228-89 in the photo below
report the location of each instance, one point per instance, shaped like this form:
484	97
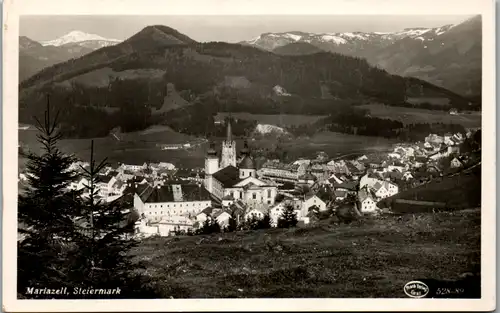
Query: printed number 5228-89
449	291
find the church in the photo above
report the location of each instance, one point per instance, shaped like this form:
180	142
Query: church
230	181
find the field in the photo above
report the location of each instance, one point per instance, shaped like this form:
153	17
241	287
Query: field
136	147
337	144
411	115
374	257
281	120
140	147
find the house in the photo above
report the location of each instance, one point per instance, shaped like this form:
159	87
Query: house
311	201
338	167
366	202
384	189
203	215
407	176
456	163
258	213
132	167
334	180
222	218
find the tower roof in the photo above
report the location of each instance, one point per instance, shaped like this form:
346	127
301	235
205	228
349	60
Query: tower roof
247	163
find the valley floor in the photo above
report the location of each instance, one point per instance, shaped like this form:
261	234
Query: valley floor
375	257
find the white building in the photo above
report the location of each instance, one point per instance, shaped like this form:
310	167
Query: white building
165	202
366	202
313	201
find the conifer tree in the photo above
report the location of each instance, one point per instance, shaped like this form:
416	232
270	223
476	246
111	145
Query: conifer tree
288	218
103	243
45	212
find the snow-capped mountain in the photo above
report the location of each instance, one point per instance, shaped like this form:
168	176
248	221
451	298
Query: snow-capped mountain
442	55
355	42
87	40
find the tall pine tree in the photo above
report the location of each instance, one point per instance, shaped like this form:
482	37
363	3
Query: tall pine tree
45	212
104	242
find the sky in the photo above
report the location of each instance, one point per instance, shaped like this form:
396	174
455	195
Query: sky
224	28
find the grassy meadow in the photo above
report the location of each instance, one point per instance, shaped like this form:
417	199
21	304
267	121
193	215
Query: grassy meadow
373	257
412	115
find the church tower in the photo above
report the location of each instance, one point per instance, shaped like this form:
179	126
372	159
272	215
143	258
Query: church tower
211	167
228	156
247	165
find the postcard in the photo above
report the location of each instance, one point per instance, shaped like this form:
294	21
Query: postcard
248	155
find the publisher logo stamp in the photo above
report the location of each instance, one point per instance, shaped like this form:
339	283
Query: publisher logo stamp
416	289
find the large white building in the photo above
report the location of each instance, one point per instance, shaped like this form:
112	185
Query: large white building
237	183
169	201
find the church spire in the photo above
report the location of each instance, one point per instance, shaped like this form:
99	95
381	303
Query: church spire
229	136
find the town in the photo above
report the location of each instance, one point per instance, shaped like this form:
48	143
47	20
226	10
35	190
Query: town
167	200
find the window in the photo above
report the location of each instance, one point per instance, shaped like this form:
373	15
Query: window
181	205
241	194
254	196
268	201
269	193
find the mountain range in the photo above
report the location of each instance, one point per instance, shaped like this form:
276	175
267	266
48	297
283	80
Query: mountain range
138	76
449	56
34	55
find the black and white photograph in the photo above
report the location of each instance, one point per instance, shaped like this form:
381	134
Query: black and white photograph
236	156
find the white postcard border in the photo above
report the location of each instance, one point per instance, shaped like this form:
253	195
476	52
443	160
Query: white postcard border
11	12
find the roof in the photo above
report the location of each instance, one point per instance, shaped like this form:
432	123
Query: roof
228	176
340	193
178	193
363	195
349	185
118	184
104	178
207	211
247	163
281	166
377	186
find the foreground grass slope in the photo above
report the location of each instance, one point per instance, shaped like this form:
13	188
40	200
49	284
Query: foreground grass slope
375	257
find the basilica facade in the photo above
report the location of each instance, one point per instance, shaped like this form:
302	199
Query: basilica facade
228	180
